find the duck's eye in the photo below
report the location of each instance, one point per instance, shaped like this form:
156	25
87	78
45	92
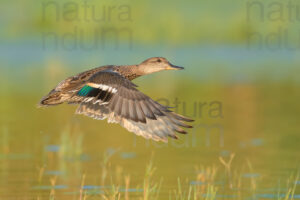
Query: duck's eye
159	60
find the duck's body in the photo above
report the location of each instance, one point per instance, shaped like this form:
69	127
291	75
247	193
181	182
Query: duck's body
107	92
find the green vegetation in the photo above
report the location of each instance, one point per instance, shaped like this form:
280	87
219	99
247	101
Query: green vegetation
153	22
115	184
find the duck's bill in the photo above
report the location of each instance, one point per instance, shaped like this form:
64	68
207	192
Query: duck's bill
174	67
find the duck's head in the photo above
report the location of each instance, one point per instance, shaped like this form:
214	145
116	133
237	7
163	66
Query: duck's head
156	64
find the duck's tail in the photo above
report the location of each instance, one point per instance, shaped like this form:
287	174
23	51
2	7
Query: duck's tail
53	98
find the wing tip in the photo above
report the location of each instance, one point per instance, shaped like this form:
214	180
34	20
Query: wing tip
181	131
182	118
173	136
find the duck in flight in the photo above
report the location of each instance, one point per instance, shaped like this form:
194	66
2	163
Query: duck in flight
107	93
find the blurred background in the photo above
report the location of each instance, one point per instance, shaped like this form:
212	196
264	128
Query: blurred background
240	84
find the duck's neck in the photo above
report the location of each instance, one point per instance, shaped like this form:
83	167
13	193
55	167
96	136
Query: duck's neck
129	71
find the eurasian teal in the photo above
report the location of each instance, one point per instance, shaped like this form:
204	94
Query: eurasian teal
107	92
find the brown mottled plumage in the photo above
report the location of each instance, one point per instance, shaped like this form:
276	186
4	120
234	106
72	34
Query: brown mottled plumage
107	92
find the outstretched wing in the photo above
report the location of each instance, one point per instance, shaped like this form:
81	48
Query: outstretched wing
109	95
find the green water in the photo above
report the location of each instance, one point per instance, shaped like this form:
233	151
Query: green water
52	153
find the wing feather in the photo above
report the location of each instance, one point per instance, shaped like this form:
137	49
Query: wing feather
118	100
